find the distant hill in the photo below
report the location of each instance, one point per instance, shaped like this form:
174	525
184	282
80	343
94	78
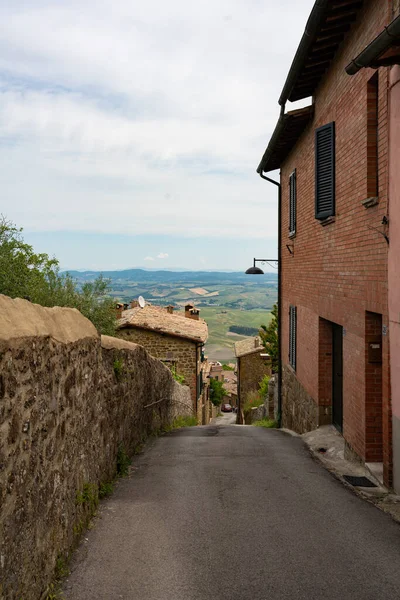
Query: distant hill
142	276
232	303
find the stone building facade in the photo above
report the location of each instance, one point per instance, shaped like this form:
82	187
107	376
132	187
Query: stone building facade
253	363
177	340
333	157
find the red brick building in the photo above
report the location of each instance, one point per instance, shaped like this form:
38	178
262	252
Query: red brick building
333	249
382	52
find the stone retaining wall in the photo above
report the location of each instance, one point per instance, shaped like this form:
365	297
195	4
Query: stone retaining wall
299	410
70	403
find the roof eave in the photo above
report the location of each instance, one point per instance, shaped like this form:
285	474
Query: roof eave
258	350
269	161
378	46
195	340
314	22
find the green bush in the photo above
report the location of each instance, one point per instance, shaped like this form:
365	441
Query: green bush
264	386
269	338
179	378
36	277
217	392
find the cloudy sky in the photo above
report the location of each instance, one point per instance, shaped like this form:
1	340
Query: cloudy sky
130	131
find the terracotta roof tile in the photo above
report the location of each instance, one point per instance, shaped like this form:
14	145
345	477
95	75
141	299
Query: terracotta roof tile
156	318
248	346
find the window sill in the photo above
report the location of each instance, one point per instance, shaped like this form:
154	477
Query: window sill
327	221
373	201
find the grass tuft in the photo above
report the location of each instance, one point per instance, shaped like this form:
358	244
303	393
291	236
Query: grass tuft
268	423
123	462
106	489
180	422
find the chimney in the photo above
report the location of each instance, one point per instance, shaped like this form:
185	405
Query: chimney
170	309
193	314
256	342
118	310
188	308
134	304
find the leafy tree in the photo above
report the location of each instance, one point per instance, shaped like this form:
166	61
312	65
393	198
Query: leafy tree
241	330
263	386
26	274
217	392
269	338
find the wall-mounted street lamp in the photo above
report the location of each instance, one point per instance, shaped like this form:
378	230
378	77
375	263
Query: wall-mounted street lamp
256	270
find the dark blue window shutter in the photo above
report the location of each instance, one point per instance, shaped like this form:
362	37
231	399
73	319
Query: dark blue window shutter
292	202
325	171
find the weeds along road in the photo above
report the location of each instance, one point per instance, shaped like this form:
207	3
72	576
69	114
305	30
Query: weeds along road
235	513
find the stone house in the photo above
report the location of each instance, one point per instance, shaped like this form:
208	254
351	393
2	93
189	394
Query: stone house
252	364
216	371
333	238
175	339
230	384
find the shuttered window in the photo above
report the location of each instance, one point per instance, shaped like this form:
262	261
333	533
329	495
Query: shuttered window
292	336
292	203
325	171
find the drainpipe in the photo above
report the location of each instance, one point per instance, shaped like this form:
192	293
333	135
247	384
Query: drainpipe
279	293
197	376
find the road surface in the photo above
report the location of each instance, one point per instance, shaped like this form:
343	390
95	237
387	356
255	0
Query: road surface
235	513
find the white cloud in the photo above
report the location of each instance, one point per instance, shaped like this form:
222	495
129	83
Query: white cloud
162	255
142	117
149	258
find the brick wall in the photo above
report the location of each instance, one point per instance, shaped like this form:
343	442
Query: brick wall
169	348
339	272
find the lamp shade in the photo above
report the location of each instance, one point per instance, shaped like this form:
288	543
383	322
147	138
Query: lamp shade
254	271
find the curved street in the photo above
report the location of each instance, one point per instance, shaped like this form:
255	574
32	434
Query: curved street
235	513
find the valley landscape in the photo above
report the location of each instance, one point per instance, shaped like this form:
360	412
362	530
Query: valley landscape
233	304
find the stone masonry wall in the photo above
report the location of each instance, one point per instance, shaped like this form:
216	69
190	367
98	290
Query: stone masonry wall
69	402
168	348
252	369
299	410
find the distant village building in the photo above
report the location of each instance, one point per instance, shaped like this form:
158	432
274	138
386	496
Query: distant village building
230	384
252	364
177	340
228	378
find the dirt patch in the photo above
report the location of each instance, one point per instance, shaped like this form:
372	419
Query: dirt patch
198	291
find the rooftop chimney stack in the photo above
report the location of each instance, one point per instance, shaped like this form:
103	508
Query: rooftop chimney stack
118	310
134	304
188	308
170	309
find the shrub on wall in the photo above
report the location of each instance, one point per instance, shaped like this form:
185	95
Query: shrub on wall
36	277
269	338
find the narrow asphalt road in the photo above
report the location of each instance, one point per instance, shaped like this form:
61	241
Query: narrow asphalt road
235	513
